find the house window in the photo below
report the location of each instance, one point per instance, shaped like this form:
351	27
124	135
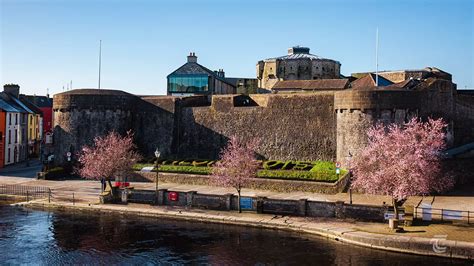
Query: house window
9	137
10	122
16	119
16	136
9	155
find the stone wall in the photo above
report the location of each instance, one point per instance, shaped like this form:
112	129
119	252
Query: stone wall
289	127
82	115
464	119
228	202
318	126
358	110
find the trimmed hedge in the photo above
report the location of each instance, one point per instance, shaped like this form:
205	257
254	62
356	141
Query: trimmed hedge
298	175
321	175
139	166
186	169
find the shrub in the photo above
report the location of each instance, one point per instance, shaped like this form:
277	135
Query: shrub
56	172
273	164
323	166
185	169
139	166
298	175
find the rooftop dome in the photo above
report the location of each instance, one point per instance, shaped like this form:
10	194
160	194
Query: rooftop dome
297	52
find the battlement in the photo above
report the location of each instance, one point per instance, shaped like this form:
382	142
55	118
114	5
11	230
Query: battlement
376	99
94	99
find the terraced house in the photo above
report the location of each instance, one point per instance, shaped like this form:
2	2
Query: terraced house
20	127
35	128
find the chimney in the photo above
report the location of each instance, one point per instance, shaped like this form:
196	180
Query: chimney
12	89
221	73
192	58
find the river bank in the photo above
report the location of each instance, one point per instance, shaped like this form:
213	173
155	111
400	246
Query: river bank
350	232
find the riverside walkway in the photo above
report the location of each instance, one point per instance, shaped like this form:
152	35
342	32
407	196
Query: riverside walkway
457	238
89	190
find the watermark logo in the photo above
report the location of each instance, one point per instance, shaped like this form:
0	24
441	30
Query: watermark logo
435	241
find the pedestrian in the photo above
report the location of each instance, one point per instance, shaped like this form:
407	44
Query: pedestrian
102	182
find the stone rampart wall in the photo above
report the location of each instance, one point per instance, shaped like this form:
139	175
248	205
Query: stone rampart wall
464	119
316	126
289	127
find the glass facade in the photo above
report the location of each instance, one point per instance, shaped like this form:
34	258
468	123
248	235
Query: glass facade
188	83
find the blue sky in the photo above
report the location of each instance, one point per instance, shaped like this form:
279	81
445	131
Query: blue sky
46	44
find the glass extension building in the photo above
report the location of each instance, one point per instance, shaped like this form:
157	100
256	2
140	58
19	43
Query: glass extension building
194	79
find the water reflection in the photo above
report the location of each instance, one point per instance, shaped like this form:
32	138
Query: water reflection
53	238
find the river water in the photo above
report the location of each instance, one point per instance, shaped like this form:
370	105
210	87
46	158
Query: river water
57	238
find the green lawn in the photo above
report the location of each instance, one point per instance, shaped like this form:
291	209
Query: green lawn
321	172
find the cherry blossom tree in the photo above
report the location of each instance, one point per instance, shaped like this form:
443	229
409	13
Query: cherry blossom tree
237	165
403	160
111	157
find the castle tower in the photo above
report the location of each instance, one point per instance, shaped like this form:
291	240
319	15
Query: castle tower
298	64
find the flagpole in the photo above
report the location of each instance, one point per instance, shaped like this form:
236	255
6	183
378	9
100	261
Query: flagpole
377	57
100	59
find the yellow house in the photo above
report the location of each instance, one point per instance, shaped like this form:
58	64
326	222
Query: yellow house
34	137
33	129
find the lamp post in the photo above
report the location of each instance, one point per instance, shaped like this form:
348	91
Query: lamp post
157	155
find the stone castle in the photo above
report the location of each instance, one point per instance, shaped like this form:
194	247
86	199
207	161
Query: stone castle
299	64
325	124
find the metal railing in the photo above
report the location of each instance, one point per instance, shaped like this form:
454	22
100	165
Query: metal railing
30	192
429	214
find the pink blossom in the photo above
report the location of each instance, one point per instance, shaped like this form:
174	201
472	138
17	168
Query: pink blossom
237	164
111	157
403	160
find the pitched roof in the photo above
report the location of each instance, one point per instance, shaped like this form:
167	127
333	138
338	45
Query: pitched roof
30	105
15	103
368	81
406	84
191	68
39	101
316	84
5	106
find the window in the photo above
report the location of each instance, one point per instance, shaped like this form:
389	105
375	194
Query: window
16	136
9	137
16	119
31	133
188	83
9	155
10	122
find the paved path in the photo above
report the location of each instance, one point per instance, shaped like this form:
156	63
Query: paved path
22	169
90	190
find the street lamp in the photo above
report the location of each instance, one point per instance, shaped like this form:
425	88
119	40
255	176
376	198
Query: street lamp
157	155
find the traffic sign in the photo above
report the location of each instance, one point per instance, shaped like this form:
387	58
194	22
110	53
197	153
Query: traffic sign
338	165
68	154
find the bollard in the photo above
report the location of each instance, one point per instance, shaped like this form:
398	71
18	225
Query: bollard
350	195
49	196
73	202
